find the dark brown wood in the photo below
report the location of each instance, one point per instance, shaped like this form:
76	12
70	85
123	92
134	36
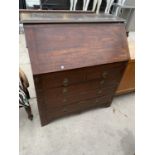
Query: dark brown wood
53	97
57	79
74	93
60	47
77	66
78	107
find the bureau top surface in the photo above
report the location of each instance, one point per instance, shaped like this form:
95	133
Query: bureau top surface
67	17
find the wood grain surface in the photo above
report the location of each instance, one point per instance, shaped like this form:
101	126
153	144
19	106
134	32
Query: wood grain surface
57	79
67	17
59	47
87	84
127	83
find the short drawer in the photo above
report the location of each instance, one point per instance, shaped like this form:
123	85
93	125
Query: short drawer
109	71
59	79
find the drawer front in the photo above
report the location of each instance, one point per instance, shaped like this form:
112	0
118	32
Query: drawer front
78	107
67	78
106	71
59	79
65	95
48	113
90	83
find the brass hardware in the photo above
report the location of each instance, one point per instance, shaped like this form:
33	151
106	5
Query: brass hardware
65	82
81	102
65	90
64	100
96	100
100	91
102	82
104	74
64	109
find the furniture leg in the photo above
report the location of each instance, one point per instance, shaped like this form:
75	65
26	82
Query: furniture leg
29	112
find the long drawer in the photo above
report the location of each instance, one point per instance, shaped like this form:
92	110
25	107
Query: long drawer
65	95
77	107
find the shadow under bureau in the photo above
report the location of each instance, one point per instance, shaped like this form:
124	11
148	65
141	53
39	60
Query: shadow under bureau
77	60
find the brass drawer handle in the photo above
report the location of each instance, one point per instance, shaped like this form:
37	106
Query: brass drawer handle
100	91
102	82
65	90
64	109
81	102
104	74
65	82
96	100
64	100
78	103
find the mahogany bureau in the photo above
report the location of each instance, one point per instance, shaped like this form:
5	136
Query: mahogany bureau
77	60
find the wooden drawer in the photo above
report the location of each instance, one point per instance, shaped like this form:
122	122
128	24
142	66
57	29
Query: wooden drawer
96	82
77	107
68	94
60	79
59	99
105	71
